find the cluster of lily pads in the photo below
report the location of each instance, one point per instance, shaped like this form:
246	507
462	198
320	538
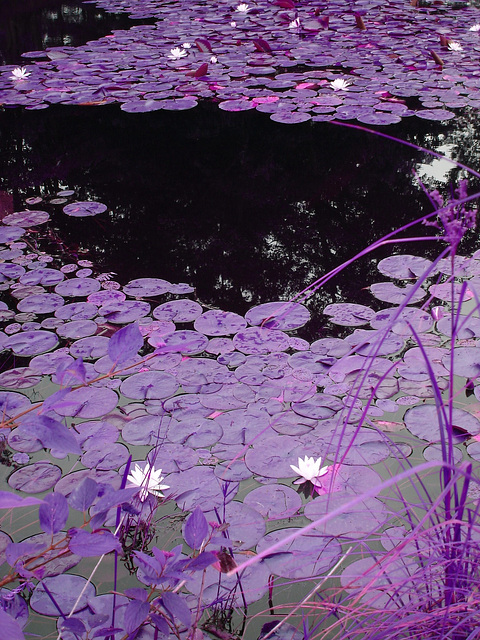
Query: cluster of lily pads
295	61
229	410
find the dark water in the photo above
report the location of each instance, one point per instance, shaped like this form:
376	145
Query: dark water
31	25
245	209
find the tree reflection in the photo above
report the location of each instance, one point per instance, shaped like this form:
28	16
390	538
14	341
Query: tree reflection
245	209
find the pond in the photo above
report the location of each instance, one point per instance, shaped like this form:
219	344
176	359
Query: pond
180	388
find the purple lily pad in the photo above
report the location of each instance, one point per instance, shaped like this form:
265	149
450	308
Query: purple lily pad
402	321
435	114
26	218
19	378
178	311
52	563
349	314
246	526
11	271
149	385
11	403
186	342
319	407
274	501
273	455
35	478
146	287
404	266
290	117
195	432
305	557
10	234
389	292
92	347
361	519
77	329
31	343
87	402
69	482
423	421
65	590
257	340
200	487
149	429
278	315
77	287
214	587
40	303
43	275
77	311
124	312
106	456
241	104
84	209
219	323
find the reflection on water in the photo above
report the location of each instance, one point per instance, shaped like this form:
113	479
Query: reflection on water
32	25
245	209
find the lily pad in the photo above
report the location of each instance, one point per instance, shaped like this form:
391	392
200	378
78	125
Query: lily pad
35	478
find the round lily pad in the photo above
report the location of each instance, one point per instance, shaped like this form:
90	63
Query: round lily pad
349	314
304	557
423	421
178	311
84	209
186	341
40	303
87	402
278	315
26	218
149	385
65	589
124	312
274	501
219	323
35	478
146	287
404	266
77	287
257	340
31	343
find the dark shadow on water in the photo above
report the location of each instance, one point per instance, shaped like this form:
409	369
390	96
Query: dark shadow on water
245	209
32	25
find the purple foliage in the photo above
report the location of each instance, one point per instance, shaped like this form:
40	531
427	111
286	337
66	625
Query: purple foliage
196	529
53	513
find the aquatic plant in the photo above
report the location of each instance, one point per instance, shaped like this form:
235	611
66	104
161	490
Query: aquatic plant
282	58
216	398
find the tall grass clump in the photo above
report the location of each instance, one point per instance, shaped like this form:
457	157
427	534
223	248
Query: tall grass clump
415	573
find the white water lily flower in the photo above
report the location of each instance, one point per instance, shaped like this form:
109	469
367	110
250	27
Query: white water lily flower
187	45
213	59
455	46
476	27
20	73
340	84
148	480
309	469
242	8
294	24
177	53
